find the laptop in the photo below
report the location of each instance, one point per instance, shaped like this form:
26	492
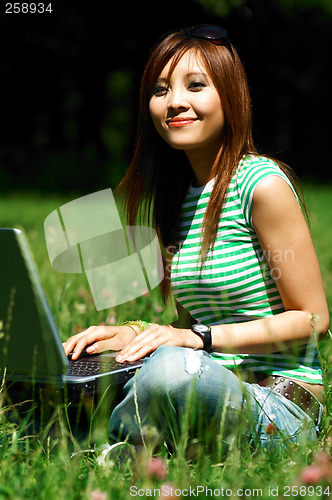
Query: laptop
30	347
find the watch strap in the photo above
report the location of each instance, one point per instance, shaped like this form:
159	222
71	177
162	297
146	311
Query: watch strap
205	335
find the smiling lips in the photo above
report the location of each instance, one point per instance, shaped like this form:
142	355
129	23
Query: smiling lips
180	121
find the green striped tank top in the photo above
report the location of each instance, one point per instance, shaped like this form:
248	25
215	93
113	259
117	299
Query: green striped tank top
235	283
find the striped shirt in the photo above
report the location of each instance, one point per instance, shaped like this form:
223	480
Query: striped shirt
235	283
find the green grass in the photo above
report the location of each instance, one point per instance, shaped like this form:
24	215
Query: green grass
37	465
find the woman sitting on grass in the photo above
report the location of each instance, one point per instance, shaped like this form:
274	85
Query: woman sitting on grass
239	261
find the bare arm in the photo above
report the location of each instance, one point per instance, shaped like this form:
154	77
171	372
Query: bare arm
287	245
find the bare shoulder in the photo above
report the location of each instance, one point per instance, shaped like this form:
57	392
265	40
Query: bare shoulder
274	202
272	190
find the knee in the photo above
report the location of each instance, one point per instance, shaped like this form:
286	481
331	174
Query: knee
166	356
165	370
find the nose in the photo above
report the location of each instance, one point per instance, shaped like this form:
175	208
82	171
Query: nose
177	99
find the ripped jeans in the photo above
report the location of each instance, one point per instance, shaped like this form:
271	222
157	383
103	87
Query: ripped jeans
177	385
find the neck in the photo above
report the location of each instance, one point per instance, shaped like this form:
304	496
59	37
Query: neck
203	163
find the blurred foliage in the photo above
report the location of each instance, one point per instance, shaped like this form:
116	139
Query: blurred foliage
70	85
223	7
116	124
293	5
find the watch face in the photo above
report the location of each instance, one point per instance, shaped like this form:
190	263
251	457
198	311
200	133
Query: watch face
201	328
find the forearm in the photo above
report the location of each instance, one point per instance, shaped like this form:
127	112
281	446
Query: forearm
269	334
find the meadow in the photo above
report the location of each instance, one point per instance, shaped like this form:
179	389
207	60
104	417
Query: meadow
37	464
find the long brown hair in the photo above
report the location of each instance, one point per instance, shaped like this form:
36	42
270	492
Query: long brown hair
155	184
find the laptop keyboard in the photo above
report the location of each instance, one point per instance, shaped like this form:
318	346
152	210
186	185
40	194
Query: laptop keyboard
87	367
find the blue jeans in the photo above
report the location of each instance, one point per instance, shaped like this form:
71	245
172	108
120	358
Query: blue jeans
177	385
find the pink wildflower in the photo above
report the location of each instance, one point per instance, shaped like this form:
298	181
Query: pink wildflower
157	468
320	470
324	461
98	495
311	474
111	320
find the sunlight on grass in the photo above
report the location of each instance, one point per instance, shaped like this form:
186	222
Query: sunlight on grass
38	465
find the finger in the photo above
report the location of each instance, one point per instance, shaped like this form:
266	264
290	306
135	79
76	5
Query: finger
72	341
142	345
143	351
88	340
140	353
114	344
135	344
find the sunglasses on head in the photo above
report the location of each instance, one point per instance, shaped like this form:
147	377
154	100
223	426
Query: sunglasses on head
213	34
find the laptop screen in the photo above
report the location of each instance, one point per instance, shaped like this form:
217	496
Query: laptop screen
30	345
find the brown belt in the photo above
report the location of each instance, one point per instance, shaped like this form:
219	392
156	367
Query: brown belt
297	394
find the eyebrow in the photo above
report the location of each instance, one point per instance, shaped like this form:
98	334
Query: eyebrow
195	73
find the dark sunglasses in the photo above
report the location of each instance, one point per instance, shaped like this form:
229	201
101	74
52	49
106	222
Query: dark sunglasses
213	34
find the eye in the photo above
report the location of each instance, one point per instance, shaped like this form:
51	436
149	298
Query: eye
196	86
160	91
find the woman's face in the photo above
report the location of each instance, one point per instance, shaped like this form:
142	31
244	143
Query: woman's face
186	109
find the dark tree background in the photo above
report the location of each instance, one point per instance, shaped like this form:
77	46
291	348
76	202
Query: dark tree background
70	81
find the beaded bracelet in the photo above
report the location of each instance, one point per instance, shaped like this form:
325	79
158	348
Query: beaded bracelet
142	325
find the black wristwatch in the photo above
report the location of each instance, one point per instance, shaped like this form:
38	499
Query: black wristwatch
204	332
